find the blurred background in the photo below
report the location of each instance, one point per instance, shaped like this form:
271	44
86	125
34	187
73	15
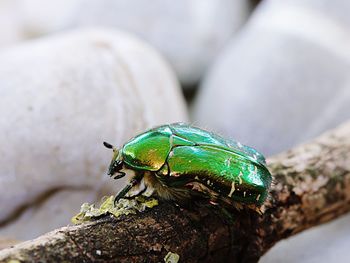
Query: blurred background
74	73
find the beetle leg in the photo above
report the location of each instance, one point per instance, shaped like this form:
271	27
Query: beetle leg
118	176
138	194
124	191
134	181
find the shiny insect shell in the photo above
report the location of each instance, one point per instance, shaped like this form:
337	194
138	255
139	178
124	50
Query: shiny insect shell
178	161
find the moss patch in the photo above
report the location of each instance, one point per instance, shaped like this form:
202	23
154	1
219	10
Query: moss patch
171	258
89	212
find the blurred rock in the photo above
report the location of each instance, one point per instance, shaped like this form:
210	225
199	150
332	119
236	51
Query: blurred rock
284	79
25	19
188	33
61	97
56	209
326	243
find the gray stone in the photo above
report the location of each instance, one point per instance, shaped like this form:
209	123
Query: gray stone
61	97
326	243
188	33
278	84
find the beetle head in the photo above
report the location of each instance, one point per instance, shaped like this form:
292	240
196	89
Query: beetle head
116	164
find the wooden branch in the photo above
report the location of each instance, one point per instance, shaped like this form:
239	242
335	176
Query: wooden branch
311	186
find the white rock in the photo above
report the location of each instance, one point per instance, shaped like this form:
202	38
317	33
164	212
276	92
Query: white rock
54	211
25	19
283	80
188	33
326	243
61	97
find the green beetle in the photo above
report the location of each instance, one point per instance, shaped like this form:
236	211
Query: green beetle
178	161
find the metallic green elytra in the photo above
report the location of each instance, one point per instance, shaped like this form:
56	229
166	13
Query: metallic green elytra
178	161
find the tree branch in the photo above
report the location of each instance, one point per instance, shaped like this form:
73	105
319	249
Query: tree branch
311	186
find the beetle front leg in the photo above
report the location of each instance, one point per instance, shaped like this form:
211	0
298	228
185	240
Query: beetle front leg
118	176
141	192
134	181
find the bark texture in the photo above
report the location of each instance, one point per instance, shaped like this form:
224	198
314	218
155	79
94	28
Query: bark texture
311	186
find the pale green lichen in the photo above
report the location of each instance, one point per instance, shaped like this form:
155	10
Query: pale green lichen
171	258
123	207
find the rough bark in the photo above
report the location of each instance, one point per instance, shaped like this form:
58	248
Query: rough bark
311	186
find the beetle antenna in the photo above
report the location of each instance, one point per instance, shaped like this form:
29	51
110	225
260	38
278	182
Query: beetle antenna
108	145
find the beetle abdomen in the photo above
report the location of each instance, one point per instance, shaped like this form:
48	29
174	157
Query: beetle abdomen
224	172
